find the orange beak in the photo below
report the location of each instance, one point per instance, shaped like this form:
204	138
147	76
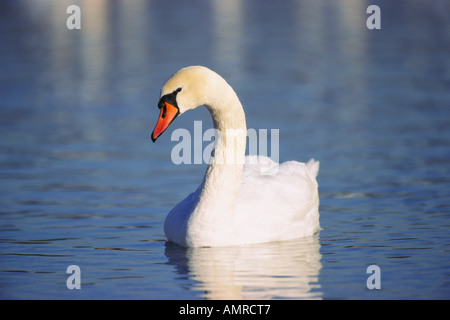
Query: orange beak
167	114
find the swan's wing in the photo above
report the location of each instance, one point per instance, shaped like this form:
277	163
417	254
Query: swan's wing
283	205
259	165
266	166
313	167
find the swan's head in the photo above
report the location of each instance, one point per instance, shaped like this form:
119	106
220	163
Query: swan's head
187	89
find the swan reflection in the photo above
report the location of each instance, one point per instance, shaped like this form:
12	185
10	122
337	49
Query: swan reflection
278	270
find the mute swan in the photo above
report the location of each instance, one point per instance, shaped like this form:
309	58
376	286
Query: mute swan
236	203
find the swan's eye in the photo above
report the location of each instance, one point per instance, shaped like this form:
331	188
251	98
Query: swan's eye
169	98
162	105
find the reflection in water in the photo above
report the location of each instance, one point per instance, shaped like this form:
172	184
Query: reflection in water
283	270
228	34
94	51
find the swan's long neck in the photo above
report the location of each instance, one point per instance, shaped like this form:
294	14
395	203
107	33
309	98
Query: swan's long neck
220	187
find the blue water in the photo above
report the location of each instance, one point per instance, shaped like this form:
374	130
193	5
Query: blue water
82	184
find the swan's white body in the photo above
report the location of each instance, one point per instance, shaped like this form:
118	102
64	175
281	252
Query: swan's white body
242	200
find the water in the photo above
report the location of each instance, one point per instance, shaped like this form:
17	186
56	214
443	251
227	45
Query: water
81	182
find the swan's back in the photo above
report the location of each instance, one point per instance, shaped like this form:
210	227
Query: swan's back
280	205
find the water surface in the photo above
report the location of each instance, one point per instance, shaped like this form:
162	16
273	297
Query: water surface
81	182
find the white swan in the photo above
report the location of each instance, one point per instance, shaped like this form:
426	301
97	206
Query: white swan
235	204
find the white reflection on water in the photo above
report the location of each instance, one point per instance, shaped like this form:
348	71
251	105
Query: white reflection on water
228	36
278	270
